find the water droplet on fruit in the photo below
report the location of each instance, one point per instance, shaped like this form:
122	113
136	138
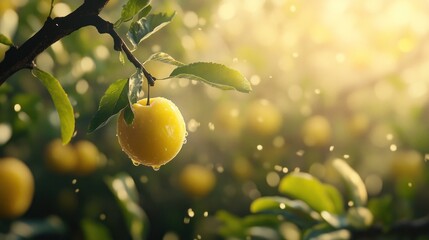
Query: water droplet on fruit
185	141
135	163
156	168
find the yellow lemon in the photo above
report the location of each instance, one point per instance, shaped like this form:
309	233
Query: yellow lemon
263	117
16	188
156	134
197	180
60	158
88	157
316	131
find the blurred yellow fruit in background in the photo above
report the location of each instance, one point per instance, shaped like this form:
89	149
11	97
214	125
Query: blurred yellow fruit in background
242	168
316	131
263	118
16	188
156	134
196	180
60	158
88	157
227	119
407	164
358	124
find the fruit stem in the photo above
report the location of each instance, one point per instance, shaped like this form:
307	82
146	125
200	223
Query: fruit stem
148	93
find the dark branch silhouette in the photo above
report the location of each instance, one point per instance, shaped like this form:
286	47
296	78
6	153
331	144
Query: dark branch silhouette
22	57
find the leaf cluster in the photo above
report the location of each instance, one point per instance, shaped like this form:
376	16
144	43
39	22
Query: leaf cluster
124	92
316	208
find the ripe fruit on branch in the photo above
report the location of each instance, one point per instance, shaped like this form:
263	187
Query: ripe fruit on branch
16	188
156	134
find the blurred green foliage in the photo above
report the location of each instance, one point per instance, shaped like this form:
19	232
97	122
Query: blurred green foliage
358	68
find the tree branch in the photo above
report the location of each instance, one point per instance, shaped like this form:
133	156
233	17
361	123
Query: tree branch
18	58
119	45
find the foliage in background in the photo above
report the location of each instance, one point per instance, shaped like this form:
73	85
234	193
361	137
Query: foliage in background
335	80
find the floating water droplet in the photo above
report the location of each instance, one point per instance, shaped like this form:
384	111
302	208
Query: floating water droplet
206	214
185	141
144	179
278	168
103	216
191	212
74	181
300	153
156	168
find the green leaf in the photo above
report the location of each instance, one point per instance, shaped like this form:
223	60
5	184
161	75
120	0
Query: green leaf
114	99
128	115
324	231
214	74
231	225
381	207
5	40
124	189
130	9
234	226
336	198
295	211
61	102
135	86
143	28
359	217
307	188
165	58
93	230
144	12
355	186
